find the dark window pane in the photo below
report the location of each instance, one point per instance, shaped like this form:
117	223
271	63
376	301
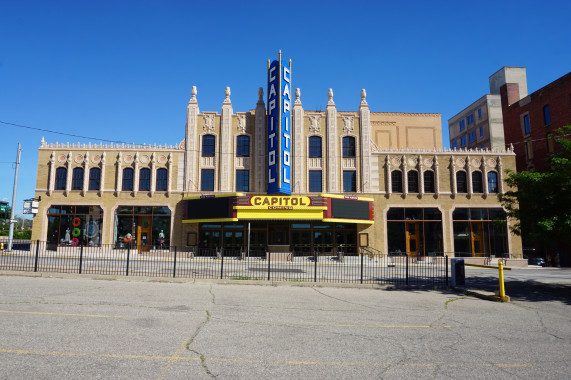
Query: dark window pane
77	179
315	184
492	182
461	185
413	213
546	115
207	180
497	214
461	214
348	146
94	179
395	213
462	246
162	179
478	214
412	177
396	181
349	181
434	242
432	214
208	145
396	238
315	146
477	186
125	210
429	181
127	179
161	210
143	210
145	179
243	146
61	178
242	180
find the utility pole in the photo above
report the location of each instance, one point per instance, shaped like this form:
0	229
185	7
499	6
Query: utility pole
12	220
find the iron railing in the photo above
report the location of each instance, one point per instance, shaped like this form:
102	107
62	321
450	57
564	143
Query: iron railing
369	267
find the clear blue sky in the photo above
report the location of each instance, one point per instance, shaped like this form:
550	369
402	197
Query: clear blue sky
123	70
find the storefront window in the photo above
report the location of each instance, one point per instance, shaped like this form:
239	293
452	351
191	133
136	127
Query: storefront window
148	226
415	232
74	225
480	232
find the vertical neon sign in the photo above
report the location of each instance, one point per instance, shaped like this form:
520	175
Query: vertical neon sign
279	127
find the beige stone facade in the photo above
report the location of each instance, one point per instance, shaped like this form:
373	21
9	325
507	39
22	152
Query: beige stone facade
383	142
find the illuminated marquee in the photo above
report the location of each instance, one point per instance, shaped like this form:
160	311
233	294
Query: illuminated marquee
279	127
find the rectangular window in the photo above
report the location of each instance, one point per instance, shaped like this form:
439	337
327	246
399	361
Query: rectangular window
242	180
207	180
526	126
462	124
315	184
546	115
349	181
470	119
529	150
472	137
463	141
481	131
479	114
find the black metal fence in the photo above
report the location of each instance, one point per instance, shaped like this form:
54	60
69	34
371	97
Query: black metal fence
370	267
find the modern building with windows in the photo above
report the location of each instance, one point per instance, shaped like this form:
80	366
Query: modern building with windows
357	177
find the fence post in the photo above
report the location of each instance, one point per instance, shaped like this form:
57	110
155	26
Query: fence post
174	265
128	255
407	269
446	270
362	264
315	265
80	257
269	258
222	263
37	255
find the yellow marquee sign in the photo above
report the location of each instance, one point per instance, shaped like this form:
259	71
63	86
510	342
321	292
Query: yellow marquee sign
280	202
279	207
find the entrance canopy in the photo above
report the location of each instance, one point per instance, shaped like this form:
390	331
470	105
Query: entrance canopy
237	206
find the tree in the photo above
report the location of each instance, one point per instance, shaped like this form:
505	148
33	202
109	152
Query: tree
540	203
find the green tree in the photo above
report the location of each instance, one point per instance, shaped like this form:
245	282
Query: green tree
540	203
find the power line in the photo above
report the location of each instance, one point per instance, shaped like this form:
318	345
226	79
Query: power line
62	133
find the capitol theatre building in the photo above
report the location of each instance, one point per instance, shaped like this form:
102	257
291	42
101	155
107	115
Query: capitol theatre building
282	178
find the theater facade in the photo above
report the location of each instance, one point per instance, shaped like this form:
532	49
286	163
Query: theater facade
283	177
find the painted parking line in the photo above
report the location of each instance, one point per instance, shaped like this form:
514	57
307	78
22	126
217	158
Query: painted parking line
335	325
257	361
66	314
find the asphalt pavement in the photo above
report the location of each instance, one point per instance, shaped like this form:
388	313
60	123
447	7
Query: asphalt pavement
102	327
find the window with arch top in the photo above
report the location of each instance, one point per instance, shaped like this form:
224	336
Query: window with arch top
77	179
127	179
243	146
477	184
315	146
428	181
162	178
492	182
94	179
61	178
412	179
461	184
145	179
348	147
396	181
208	145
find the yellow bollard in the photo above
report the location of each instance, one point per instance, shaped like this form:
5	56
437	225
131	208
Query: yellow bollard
503	296
1	246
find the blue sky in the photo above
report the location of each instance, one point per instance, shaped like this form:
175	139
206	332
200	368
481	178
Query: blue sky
123	70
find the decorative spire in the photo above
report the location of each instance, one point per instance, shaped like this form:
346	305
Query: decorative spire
363	96
227	93
193	92
330	95
260	95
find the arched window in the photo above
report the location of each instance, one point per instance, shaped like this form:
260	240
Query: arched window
477	186
162	179
243	146
94	179
461	185
492	182
61	178
145	179
348	147
208	145
77	179
128	179
412	177
428	181
396	181
315	146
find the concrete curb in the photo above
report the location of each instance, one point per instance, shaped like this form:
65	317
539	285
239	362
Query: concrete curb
481	294
215	281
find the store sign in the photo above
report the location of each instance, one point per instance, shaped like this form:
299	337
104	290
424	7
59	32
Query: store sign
279	202
279	128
